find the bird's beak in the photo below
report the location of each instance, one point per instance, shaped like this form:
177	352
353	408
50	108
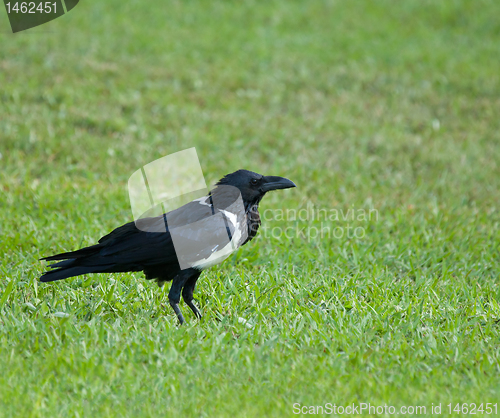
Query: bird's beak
275	183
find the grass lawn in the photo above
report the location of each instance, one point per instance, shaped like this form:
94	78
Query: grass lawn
388	109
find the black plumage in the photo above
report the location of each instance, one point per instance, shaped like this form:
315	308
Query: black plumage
178	245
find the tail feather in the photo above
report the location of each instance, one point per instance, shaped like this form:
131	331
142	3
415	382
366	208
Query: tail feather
64	273
84	252
64	263
75	263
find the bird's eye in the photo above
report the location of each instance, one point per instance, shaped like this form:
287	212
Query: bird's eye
254	181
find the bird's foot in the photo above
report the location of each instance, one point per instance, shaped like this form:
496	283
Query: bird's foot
177	310
194	309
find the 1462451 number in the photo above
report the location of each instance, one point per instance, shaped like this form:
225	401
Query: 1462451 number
31	7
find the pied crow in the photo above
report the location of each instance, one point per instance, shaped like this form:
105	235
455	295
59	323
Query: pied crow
178	245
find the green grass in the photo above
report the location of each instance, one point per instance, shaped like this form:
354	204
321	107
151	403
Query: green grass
391	106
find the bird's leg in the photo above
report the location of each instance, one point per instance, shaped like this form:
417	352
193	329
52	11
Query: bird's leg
174	296
177	310
187	294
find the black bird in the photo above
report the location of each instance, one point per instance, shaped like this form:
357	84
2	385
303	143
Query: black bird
180	244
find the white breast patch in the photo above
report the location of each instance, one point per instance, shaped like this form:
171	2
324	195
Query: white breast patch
218	256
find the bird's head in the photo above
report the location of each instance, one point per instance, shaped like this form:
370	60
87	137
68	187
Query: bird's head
253	186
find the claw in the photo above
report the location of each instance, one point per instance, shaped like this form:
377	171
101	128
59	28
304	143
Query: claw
194	309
